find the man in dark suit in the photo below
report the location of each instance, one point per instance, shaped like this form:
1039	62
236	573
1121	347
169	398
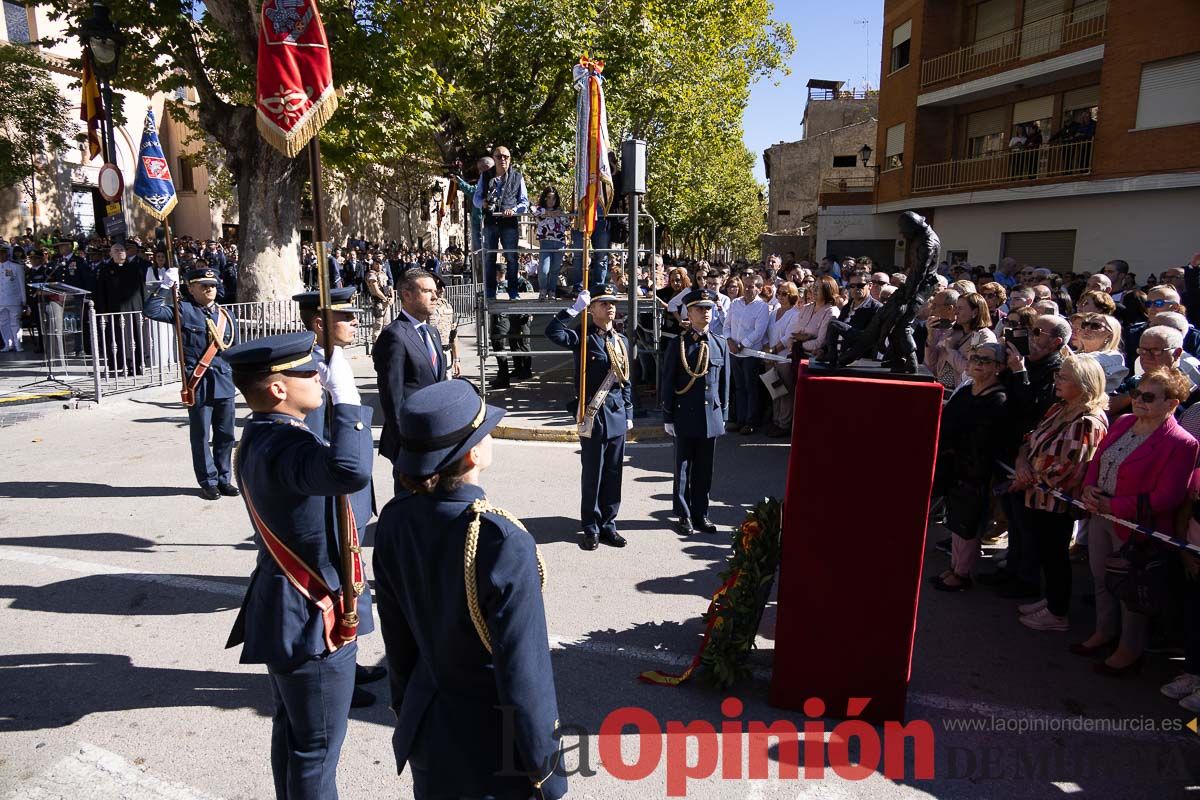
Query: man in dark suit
408	354
208	329
610	410
694	391
472	683
293	618
858	313
121	287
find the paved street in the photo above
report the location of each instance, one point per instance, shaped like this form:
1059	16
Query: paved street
118	586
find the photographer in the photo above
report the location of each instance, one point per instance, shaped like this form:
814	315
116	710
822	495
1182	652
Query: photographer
501	194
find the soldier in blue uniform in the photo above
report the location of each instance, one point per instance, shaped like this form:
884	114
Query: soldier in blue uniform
694	392
292	618
344	316
610	410
208	329
472	684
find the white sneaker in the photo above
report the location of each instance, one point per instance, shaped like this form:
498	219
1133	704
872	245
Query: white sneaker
1043	620
1182	686
1191	702
1030	608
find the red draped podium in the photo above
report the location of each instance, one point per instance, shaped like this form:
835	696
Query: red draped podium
857	505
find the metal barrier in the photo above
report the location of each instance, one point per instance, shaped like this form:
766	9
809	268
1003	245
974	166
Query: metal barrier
130	352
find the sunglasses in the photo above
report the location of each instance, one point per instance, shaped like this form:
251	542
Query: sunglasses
857	285
1145	397
982	360
1094	326
879	283
1149	351
1038	332
1159	303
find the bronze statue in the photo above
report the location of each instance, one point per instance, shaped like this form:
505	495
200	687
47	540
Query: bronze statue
894	322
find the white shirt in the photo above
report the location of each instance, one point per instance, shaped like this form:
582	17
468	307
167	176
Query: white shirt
12	284
747	323
780	330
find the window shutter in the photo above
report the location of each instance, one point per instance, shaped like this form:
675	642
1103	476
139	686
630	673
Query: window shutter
1170	93
895	140
982	123
902	33
1054	250
1040	9
994	17
1035	109
1085	97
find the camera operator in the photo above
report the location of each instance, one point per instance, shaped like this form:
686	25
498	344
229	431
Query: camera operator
501	194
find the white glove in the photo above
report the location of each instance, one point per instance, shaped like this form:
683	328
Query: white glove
628	424
669	427
581	302
168	282
339	379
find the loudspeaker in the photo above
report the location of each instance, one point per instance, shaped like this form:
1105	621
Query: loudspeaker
633	167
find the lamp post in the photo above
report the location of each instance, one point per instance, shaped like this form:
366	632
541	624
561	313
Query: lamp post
104	43
864	153
435	193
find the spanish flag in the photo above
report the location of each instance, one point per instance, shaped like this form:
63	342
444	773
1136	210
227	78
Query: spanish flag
89	106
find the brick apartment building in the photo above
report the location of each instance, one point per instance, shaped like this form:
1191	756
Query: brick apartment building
1110	87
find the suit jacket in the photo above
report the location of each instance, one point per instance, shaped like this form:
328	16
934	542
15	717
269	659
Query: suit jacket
861	317
120	287
1152	481
612	418
217	383
403	366
291	475
464	714
702	410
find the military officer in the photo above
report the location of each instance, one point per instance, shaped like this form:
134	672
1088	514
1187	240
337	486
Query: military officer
458	584
609	417
208	329
293	618
344	316
694	392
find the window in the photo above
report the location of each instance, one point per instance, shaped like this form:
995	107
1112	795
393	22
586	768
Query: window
187	183
985	131
16	20
893	154
784	212
1170	93
845	161
993	18
901	39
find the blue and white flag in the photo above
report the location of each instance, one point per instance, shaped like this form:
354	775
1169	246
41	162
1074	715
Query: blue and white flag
153	187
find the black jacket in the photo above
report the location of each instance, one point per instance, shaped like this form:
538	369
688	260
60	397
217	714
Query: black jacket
403	365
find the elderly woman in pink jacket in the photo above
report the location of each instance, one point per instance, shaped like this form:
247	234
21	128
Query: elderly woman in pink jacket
1140	473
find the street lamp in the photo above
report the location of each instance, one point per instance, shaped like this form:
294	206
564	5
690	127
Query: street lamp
104	40
435	194
864	153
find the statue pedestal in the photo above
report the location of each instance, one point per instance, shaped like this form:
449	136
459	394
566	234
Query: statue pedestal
854	521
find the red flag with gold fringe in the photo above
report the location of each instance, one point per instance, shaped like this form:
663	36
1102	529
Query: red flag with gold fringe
295	89
89	106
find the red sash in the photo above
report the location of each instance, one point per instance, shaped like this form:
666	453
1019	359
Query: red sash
188	394
341	625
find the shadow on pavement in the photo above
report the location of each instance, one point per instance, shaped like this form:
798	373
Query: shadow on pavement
64	490
124	595
102	542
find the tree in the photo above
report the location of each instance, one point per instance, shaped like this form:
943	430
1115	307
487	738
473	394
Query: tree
403	182
33	120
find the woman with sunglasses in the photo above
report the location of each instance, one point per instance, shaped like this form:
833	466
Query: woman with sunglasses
1099	335
974	423
1056	455
1140	473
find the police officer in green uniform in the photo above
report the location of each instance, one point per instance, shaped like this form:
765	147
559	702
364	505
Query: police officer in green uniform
694	392
458	585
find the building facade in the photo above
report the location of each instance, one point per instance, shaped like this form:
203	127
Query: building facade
837	123
1063	133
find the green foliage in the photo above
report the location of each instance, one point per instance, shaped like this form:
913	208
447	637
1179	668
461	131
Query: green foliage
34	118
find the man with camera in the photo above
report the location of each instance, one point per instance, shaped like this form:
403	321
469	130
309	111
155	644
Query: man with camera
501	194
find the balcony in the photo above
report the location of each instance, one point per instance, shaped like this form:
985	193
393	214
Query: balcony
1027	43
1006	167
854	191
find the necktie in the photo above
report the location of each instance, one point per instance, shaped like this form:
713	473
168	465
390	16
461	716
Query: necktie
429	344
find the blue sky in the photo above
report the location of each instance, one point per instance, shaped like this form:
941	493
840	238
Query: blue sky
831	44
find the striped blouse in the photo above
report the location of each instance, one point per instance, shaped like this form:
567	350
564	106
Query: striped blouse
1059	451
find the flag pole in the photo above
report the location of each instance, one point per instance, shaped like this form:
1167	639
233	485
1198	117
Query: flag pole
185	393
346	537
583	326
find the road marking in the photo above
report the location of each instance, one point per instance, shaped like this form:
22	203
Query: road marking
96	773
932	702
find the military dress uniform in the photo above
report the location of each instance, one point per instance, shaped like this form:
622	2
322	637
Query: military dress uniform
213	406
290	478
603	452
469	658
694	392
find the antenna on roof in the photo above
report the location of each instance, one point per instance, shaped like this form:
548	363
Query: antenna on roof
866	24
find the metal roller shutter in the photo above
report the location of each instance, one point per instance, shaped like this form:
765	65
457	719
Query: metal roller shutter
902	33
1035	109
1170	93
983	123
1040	9
1085	97
994	17
895	140
1053	250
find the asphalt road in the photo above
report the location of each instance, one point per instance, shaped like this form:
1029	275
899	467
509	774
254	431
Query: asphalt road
118	586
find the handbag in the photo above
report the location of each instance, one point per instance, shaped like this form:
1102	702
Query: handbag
775	385
1138	574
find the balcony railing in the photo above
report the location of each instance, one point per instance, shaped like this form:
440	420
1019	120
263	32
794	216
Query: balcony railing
863	183
1028	42
1005	167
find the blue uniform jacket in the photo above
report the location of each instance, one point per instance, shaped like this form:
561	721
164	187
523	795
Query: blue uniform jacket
702	410
291	475
217	383
611	420
362	501
451	697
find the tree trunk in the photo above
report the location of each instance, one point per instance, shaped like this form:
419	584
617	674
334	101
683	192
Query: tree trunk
269	187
